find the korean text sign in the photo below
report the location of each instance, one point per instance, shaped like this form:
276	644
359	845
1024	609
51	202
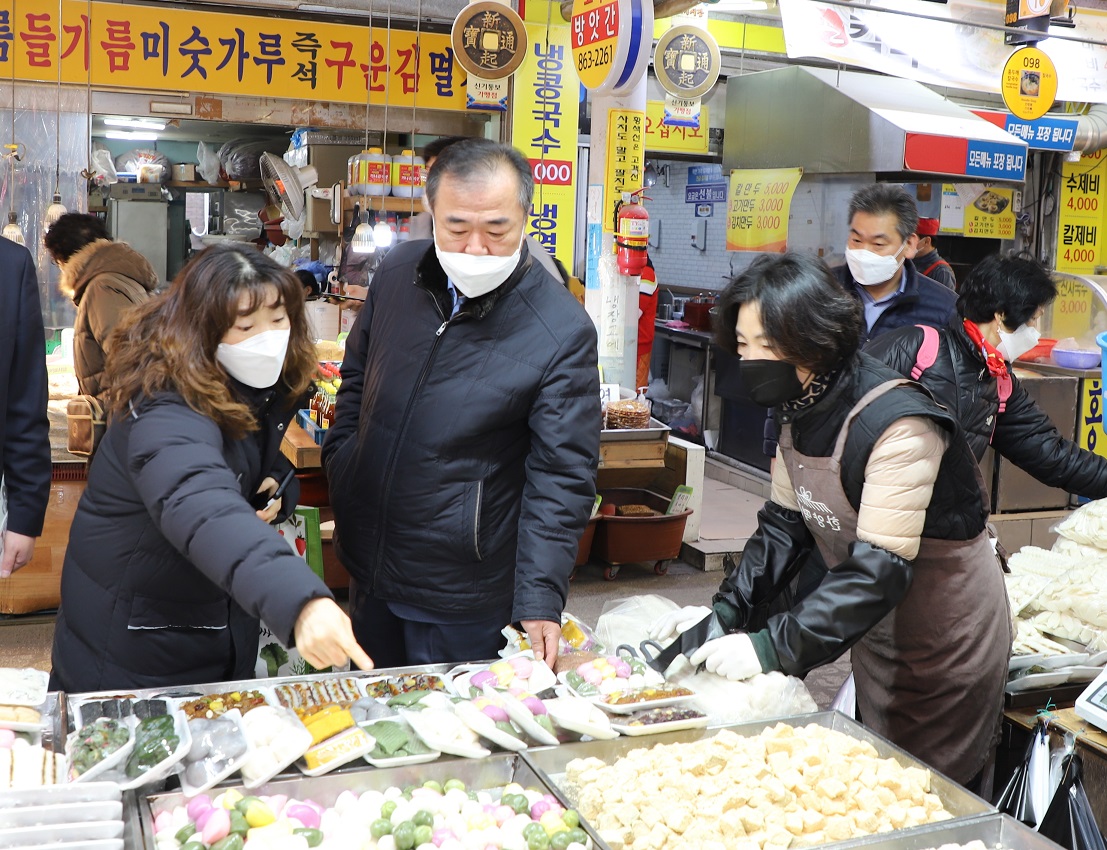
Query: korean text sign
170	49
758	207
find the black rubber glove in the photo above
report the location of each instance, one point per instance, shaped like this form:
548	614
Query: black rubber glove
855	596
771	558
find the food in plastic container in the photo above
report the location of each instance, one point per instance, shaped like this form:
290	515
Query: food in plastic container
219	748
391	686
654	721
397	744
277	737
336	740
95	744
213	705
307	697
23	686
26	765
517	673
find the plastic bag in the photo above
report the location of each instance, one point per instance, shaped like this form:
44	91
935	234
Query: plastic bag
576	636
103	166
758	698
150	166
241	158
845	700
628	620
1026	796
1069	820
208	163
1087	524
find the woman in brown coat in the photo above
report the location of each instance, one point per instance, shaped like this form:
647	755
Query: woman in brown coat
105	280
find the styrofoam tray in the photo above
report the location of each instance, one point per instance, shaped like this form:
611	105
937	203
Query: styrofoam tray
23	686
89	844
482	724
430	678
597	725
428	725
24	726
629	708
53	833
104	766
522	717
231	767
99	810
345	758
299	741
402	761
1036	681
49	795
541	677
658	728
1048	662
164	767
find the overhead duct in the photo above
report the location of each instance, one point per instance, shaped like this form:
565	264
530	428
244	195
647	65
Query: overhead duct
1091	129
845	122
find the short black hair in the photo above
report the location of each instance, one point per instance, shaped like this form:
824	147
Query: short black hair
884	198
309	281
70	233
1013	285
475	159
433	149
811	321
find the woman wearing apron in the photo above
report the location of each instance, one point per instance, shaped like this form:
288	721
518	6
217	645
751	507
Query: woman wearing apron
879	478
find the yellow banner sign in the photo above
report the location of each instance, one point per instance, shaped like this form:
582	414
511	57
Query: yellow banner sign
1080	222
544	128
1029	83
626	157
1089	429
991	215
163	48
662	137
758	207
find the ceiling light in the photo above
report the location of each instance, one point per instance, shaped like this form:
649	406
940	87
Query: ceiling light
13	231
134	137
55	211
135	123
362	240
382	234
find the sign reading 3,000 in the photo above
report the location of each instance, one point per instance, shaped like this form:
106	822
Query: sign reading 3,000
595	31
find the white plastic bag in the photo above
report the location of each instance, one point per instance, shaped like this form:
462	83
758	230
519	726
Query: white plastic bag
728	702
845	700
628	620
209	163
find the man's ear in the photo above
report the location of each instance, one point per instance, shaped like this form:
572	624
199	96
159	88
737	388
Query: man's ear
426	203
912	247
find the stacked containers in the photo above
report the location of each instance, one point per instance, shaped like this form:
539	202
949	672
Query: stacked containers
407	175
370	173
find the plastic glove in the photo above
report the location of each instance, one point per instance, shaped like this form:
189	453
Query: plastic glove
672	624
731	656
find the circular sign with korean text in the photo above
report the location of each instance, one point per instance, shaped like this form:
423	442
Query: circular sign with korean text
607	41
686	61
489	40
1029	84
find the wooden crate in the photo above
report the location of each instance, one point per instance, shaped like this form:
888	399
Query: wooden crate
633	454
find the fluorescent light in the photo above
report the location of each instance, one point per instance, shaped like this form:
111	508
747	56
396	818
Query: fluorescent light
133	137
135	123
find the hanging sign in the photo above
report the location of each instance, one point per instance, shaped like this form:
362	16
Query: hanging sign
489	95
1051	133
489	40
991	215
686	62
665	137
545	131
952	218
605	61
757	211
1029	83
626	155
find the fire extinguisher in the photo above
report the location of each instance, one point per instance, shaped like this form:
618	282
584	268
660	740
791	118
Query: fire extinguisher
632	234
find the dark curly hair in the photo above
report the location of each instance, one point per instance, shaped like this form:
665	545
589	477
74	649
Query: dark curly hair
809	319
70	233
1013	285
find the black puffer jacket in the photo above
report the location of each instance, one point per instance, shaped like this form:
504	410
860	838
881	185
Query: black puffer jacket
462	461
168	566
1023	434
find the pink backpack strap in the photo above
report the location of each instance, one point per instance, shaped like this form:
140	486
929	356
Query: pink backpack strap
1004	385
928	352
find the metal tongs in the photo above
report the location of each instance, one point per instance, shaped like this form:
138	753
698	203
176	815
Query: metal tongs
686	643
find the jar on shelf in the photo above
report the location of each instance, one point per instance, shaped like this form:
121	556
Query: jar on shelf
370	173
408	175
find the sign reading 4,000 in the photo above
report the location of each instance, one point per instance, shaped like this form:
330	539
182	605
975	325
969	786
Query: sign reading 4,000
595	33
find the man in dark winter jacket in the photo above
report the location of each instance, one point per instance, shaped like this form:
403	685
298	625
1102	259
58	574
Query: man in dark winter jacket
463	455
24	428
999	306
927	259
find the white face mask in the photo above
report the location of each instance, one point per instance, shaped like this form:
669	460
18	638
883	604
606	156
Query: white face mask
475	275
257	361
870	269
1013	345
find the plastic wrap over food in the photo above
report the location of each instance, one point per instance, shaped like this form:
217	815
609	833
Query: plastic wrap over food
1087	525
628	620
760	697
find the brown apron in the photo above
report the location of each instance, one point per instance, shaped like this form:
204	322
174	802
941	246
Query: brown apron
930	675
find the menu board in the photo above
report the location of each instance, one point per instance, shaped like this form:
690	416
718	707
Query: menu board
626	152
758	208
991	215
1080	215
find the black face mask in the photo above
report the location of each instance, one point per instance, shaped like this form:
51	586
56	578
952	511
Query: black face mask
769	382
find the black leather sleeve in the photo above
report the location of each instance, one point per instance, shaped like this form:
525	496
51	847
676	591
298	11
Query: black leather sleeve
852	598
771	558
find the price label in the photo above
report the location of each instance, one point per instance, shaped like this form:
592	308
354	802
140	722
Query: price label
1029	83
